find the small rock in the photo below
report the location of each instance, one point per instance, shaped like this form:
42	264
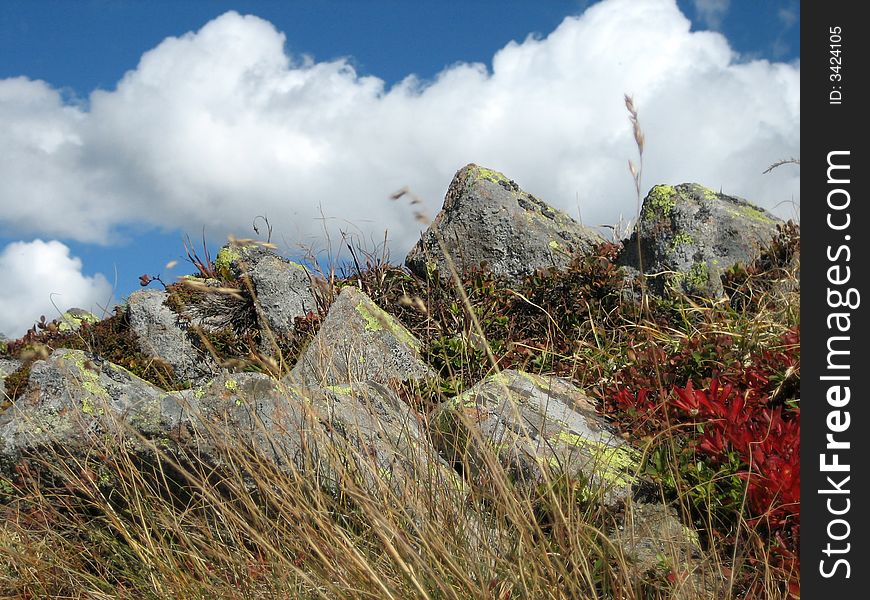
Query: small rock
72	319
652	537
359	342
487	218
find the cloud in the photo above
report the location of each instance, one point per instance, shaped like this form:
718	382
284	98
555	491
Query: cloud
711	12
42	278
216	126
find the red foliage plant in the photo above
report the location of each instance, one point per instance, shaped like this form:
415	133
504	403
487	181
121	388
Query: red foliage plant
746	411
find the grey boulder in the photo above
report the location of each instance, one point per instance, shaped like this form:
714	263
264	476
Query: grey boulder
359	342
537	426
74	399
282	288
487	219
688	235
162	335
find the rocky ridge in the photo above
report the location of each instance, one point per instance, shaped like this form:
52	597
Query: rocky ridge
339	390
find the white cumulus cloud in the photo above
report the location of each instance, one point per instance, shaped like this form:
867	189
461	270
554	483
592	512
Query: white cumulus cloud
216	126
42	278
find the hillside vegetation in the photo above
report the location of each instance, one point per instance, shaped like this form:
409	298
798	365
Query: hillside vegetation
707	391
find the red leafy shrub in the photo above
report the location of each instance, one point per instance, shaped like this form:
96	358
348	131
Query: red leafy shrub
739	424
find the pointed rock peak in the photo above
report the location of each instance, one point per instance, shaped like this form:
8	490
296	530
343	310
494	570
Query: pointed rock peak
487	219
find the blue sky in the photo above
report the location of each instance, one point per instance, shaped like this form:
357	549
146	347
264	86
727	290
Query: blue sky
126	125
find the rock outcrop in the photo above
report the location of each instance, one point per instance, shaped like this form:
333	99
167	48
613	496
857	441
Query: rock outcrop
75	400
359	342
342	417
487	219
689	235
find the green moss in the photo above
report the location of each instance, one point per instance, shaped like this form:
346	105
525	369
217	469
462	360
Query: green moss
698	276
660	201
696	279
16	382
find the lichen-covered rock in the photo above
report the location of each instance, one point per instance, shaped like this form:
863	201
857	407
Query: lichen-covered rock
689	235
359	342
73	399
364	427
282	288
487	218
535	425
75	402
72	319
161	334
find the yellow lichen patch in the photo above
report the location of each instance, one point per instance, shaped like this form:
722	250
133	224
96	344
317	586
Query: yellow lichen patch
70	321
231	385
89	380
682	239
660	201
344	390
752	213
467	399
224	260
709	194
616	465
536	380
490	174
378	320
